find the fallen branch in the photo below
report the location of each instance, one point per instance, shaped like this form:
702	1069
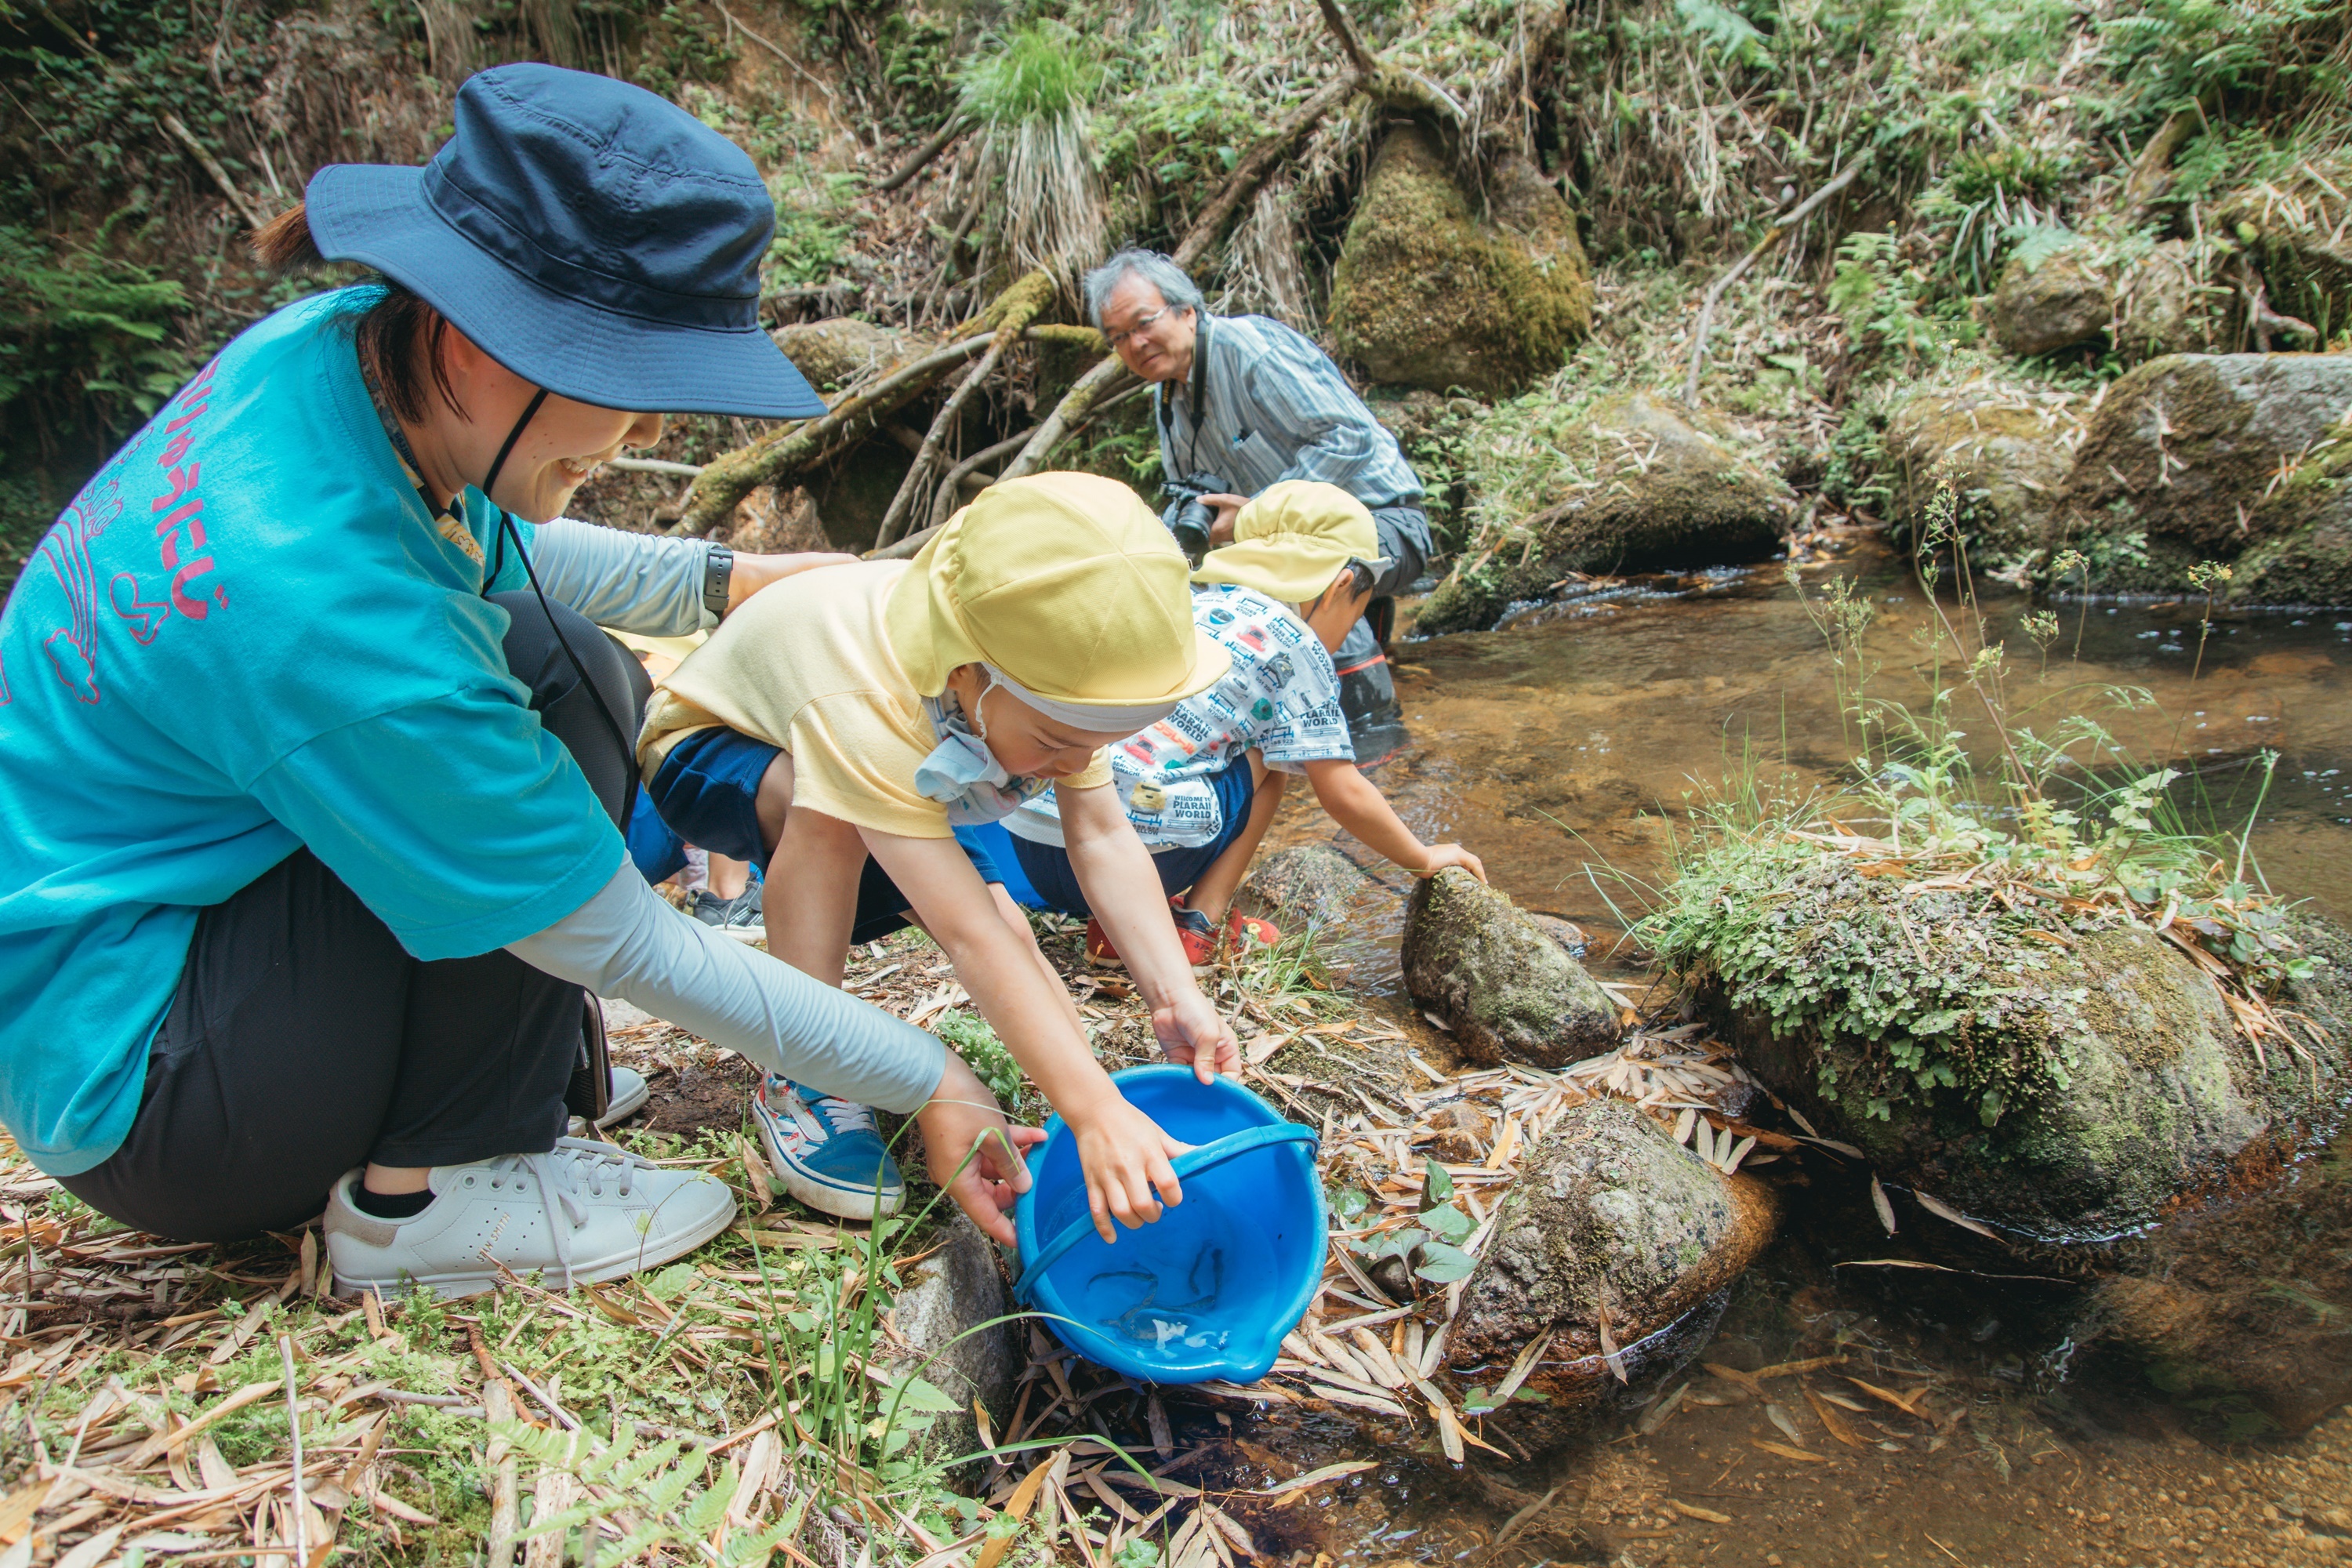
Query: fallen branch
1090	390
2151	172
728	477
1013	309
798	69
938	142
1259	161
1781	229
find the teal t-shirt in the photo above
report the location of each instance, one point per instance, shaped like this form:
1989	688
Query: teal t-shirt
246	636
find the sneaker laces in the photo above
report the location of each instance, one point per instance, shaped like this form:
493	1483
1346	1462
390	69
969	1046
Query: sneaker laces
560	1175
839	1115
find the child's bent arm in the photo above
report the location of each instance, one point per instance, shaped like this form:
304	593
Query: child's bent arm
1122	887
1124	1155
1357	804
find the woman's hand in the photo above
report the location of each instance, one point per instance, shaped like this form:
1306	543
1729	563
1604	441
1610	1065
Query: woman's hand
1125	1157
753	572
973	1153
1194	1032
1441	856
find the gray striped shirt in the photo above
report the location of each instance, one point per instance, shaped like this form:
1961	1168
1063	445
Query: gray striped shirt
1276	408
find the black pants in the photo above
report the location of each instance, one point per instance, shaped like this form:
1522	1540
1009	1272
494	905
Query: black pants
304	1040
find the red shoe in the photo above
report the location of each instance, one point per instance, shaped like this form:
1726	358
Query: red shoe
1193	929
1100	951
1248	932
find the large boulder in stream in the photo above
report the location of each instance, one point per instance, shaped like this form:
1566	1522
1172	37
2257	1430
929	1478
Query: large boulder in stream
2181	464
1666	487
2064	1081
1429	293
1611	1220
1503	984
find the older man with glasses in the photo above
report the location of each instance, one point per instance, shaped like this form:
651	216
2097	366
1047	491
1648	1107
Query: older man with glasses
1242	403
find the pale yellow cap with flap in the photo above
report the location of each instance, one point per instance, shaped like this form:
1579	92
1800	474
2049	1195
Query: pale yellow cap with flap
1066	584
1292	538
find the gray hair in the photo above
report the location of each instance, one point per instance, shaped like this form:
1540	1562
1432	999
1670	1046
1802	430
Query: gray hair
1152	268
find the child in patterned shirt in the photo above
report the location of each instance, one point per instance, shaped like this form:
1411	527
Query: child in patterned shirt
1203	784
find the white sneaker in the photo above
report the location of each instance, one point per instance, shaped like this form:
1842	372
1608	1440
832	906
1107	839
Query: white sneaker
629	1095
577	1214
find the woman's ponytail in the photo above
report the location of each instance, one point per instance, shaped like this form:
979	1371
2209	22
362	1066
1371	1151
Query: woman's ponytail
394	333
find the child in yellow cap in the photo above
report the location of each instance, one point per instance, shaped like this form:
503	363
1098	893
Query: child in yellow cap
1201	785
841	725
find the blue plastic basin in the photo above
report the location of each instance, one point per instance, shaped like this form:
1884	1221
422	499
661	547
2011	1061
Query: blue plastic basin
1208	1289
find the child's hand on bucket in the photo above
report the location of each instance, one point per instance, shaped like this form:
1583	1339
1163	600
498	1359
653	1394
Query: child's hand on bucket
973	1153
1193	1033
1125	1156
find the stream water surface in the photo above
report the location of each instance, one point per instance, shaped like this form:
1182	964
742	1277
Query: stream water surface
1566	749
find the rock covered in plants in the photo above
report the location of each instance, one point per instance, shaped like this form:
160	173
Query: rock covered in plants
1663	487
2295	226
2065	1078
1428	293
1503	984
2176	465
1610	1219
947	1338
2039	309
2004	450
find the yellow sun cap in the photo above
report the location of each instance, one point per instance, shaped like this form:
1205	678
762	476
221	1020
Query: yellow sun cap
1070	586
1292	538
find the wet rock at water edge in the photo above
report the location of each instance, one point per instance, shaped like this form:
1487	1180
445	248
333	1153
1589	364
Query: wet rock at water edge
2040	309
2181	464
1670	488
1609	1217
1429	293
1502	983
1309	885
2004	451
948	1296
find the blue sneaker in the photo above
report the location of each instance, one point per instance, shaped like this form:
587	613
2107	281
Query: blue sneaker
827	1151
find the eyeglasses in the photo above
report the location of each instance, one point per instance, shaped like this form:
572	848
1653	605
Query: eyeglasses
1143	324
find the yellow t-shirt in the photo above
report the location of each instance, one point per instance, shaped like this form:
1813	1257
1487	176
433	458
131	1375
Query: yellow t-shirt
807	665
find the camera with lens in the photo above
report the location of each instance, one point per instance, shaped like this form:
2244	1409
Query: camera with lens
1193	517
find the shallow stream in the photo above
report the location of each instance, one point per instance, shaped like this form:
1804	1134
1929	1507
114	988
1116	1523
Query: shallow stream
1565	749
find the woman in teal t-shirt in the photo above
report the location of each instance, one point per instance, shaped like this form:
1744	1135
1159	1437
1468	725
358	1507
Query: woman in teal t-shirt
314	764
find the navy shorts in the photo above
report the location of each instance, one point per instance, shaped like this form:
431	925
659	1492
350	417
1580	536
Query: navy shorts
1047	866
707	792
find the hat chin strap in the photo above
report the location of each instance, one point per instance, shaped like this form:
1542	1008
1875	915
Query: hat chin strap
513	435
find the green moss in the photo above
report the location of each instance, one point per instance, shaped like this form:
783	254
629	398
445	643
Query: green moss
1427	295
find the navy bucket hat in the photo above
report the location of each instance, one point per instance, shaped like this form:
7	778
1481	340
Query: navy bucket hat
593	238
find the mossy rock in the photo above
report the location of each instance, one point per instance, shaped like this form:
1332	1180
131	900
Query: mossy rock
1610	1215
1503	984
2305	527
2162	1098
2178	464
2005	455
1672	489
2041	308
1428	294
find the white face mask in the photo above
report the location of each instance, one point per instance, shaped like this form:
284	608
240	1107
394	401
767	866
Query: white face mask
962	773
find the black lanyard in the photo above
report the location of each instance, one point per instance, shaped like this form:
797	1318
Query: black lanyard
1200	399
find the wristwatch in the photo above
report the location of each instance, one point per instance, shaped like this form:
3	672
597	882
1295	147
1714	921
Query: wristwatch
718	579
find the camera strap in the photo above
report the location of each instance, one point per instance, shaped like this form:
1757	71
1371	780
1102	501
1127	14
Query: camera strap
1197	387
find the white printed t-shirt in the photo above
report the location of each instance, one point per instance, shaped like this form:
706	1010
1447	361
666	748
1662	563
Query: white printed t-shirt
1282	697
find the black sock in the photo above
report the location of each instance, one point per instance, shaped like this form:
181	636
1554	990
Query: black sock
390	1206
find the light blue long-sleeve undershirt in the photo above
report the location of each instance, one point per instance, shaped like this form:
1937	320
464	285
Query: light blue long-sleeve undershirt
641	583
